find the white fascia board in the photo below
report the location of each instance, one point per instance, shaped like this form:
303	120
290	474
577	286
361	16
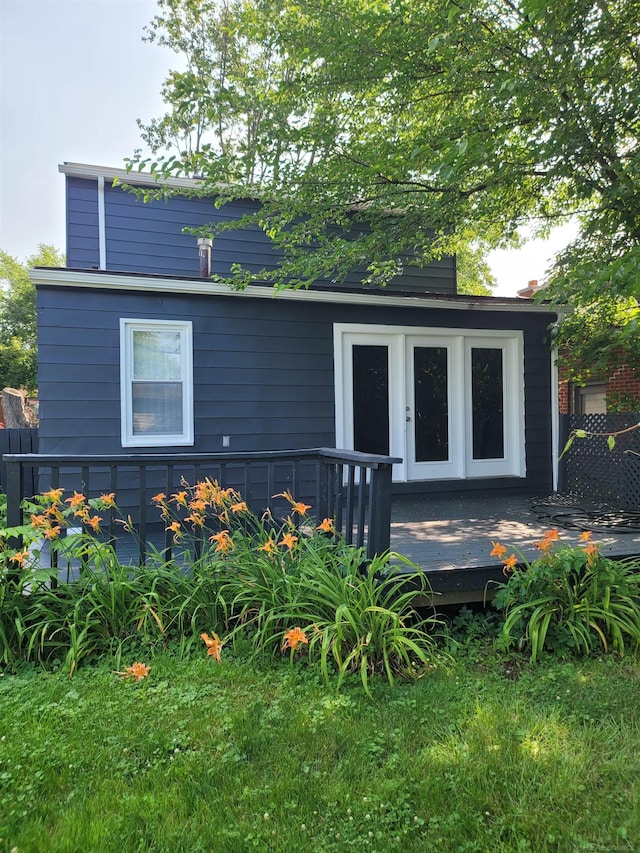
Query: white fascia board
207	287
85	170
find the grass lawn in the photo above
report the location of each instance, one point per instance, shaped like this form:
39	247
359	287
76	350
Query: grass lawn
201	756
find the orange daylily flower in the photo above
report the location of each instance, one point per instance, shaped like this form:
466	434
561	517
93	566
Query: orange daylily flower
53	494
544	544
586	535
195	519
137	671
204	489
327	525
93	522
20	556
498	550
39	521
158	498
214	645
54	512
53	532
297	506
591	550
109	500
552	535
198	504
240	507
288	541
180	498
509	563
224	540
293	638
269	547
76	500
174	527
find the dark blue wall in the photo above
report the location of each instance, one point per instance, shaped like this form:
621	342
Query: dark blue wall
82	223
148	238
263	369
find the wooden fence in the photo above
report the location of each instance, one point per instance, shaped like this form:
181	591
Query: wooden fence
592	471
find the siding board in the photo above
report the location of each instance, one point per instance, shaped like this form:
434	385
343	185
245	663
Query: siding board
82	198
150	238
263	372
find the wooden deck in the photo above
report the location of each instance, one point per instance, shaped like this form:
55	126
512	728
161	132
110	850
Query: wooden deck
450	539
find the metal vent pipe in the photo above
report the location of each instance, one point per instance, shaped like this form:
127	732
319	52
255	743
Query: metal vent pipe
204	253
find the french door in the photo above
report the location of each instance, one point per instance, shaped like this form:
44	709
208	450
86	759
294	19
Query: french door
448	401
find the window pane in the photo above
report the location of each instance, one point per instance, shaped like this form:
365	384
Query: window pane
488	403
156	355
431	427
157	408
371	399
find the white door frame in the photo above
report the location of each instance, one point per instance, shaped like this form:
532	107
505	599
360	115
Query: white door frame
400	340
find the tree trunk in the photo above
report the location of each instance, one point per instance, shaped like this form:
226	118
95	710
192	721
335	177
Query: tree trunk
18	414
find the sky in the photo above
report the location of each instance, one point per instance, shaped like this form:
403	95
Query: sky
74	77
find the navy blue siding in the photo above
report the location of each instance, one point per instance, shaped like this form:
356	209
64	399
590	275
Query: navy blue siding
149	238
263	370
82	223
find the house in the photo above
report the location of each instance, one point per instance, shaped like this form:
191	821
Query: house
140	354
617	390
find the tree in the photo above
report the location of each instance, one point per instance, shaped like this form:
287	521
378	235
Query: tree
216	110
473	272
18	325
437	124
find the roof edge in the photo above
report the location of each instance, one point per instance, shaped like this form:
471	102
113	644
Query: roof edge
109	280
86	170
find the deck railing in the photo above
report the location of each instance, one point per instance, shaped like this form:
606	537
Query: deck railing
17	441
352	488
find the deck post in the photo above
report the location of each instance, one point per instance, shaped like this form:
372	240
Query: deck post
15	478
379	534
14	493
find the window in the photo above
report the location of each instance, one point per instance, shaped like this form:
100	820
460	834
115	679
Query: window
591	399
156	378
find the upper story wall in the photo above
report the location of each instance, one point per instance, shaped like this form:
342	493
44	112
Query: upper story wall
148	238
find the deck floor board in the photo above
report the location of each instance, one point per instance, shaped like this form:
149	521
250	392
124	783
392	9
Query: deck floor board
441	535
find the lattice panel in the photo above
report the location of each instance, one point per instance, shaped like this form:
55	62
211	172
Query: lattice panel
593	472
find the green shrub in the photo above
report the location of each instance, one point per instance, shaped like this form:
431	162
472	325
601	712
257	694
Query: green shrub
570	599
297	578
283	586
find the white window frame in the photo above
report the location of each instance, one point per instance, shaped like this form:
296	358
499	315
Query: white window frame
127	328
399	340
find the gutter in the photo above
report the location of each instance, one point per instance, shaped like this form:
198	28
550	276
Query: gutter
97	279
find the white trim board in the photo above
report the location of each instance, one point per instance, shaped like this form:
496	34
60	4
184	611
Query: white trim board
90	172
157	284
128	436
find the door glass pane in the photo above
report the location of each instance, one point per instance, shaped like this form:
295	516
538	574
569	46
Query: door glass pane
371	399
431	410
487	403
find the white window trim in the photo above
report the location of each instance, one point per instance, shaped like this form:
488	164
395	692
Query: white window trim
512	343
127	327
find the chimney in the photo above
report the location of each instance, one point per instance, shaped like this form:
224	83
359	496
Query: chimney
204	253
528	291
